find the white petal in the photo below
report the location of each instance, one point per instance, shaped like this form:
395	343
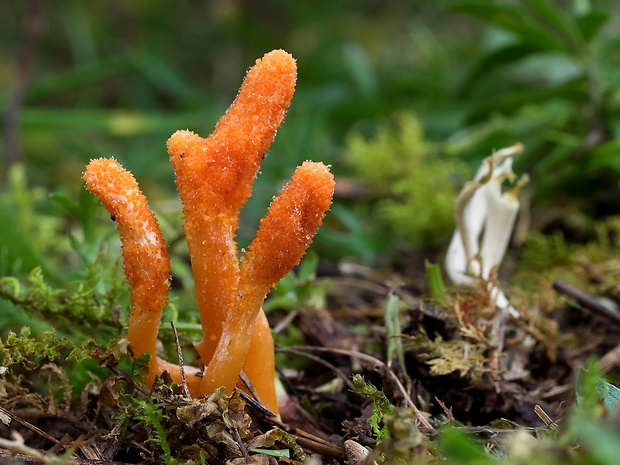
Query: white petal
503	210
456	262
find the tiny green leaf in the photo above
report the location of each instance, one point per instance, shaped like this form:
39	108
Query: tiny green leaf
435	282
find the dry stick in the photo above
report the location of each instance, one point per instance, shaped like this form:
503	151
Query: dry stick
304	439
370	359
18	447
320	361
256	405
181	364
241	445
290	316
597	278
585	300
317	444
498	333
546	419
28	425
610	359
307	440
250	387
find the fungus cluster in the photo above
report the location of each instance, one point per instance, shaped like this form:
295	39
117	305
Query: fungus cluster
214	177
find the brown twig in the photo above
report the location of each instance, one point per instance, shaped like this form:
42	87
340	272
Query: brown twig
257	406
546	419
181	364
586	301
241	445
317	444
377	363
28	425
610	360
306	440
319	360
598	279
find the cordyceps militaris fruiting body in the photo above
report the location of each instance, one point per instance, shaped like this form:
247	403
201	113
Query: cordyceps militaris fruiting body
214	176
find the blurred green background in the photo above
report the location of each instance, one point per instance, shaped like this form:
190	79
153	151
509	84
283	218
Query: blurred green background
402	98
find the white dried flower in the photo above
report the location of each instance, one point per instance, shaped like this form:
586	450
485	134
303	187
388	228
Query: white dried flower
485	218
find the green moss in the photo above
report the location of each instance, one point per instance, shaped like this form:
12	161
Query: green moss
76	313
544	252
381	406
416	184
35	350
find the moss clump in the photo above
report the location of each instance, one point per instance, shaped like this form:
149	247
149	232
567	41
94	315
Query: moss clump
416	185
76	312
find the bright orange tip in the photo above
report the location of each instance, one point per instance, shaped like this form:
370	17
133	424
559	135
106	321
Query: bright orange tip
287	230
222	167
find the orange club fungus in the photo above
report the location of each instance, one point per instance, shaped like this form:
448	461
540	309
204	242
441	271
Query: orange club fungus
214	176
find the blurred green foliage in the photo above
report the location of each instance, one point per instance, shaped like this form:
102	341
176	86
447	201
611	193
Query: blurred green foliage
116	79
547	74
29	232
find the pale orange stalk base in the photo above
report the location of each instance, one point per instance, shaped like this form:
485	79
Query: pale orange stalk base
260	363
